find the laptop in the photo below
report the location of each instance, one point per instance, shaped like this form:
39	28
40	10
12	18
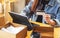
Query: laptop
20	20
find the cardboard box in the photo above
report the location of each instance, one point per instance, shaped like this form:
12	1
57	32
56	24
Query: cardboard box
21	33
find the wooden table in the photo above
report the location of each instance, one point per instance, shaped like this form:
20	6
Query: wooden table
46	31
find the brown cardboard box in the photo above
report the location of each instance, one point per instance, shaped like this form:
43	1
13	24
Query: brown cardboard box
21	33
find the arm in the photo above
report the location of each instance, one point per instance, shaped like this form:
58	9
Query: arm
54	22
58	18
27	8
30	9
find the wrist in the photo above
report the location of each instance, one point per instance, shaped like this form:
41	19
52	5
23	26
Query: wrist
51	22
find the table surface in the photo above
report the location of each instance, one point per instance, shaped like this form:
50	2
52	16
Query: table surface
41	24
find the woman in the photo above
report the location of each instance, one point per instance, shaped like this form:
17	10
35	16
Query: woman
52	11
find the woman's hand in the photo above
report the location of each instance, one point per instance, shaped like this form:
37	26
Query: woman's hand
48	19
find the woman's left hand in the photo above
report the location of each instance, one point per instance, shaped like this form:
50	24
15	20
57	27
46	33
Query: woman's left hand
48	19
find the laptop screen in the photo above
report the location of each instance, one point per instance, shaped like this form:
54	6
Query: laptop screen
20	20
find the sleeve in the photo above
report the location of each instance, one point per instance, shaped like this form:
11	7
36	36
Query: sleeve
51	2
57	20
27	8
